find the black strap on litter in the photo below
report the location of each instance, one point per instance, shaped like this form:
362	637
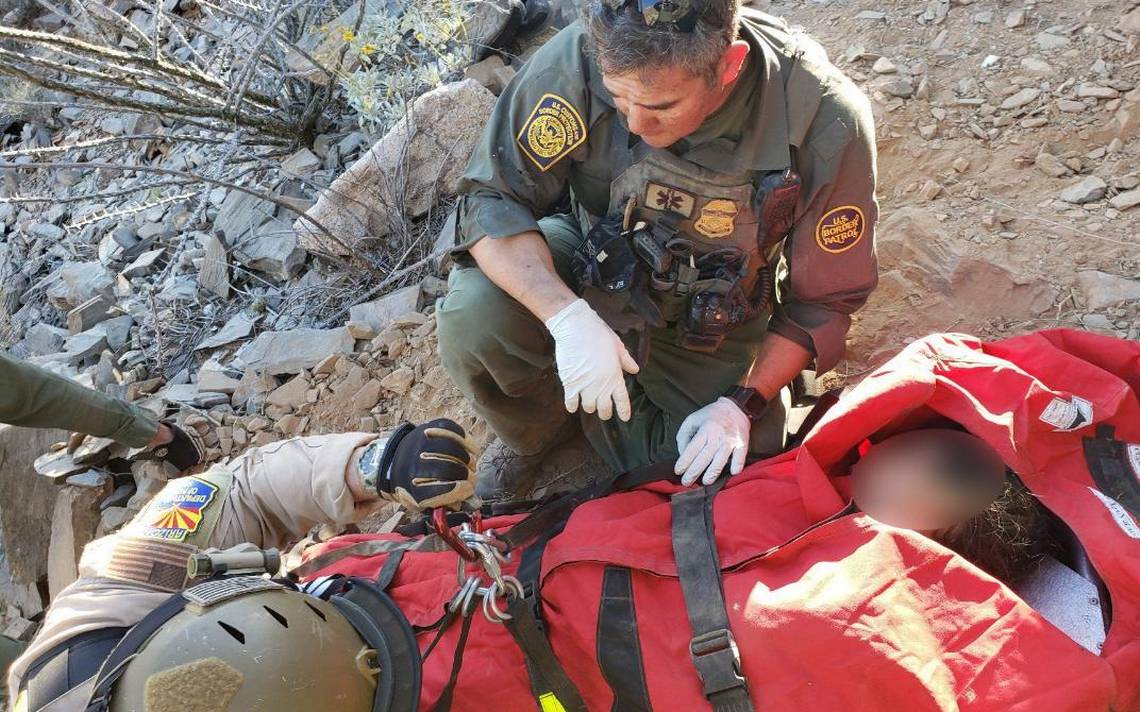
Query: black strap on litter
529	574
554	514
712	649
1111	468
443	704
441	627
546	673
388	570
115	664
619	648
68	665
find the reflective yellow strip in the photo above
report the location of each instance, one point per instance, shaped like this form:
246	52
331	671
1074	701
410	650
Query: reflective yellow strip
22	702
550	703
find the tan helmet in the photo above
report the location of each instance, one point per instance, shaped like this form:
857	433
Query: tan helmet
246	643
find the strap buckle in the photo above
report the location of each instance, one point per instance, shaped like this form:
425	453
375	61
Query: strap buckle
717	660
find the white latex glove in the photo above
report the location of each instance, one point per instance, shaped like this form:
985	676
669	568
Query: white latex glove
708	438
591	360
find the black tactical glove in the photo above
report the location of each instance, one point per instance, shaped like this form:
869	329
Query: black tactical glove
423	467
185	450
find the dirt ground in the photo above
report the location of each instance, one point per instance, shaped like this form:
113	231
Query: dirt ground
959	168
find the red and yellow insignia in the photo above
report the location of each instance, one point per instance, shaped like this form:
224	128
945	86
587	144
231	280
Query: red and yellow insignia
718	218
840	229
554	129
668	199
177	511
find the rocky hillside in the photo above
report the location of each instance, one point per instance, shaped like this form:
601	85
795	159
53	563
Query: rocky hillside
1009	184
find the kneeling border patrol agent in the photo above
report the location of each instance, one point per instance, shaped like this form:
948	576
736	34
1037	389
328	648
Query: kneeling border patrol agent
719	234
143	631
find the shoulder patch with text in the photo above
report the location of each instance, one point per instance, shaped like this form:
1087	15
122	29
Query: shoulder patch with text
840	229
177	510
554	129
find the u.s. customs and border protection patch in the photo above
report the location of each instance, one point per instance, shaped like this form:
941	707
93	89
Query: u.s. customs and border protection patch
718	218
840	229
554	129
177	511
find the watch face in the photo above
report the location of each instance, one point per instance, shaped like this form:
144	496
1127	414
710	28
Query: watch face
369	465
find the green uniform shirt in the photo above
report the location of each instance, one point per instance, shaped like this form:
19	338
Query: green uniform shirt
829	254
36	398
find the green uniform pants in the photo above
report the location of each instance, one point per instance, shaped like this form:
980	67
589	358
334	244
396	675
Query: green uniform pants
36	398
502	358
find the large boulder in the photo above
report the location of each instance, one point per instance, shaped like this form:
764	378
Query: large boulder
928	283
277	352
73	523
379	314
272	248
77	282
28	500
419	160
1102	289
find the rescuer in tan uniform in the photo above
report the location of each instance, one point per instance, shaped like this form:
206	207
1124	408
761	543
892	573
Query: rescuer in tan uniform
268	497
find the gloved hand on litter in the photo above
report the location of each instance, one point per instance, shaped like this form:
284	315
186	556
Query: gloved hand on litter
710	438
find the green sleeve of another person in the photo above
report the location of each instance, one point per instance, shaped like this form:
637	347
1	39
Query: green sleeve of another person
36	398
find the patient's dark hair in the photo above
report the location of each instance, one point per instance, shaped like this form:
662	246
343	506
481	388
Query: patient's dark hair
1008	540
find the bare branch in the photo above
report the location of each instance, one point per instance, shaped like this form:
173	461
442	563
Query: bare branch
197	177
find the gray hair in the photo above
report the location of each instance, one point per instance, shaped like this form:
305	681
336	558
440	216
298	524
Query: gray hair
622	43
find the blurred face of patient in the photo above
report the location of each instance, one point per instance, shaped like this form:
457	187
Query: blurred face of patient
927	480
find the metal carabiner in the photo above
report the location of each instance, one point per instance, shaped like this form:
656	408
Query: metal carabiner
510	588
464	597
490	563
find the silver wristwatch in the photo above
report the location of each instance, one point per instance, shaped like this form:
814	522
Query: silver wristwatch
369	465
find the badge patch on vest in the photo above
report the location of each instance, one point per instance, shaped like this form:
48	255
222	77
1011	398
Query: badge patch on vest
177	510
840	229
718	218
666	198
554	129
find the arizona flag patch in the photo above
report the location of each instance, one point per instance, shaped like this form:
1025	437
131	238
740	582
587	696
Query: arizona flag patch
177	511
554	129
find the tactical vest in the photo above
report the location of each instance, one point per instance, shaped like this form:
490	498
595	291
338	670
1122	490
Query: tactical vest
718	233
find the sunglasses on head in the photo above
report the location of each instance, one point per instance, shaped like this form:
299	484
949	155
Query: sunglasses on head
681	14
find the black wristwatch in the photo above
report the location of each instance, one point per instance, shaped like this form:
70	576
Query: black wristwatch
748	400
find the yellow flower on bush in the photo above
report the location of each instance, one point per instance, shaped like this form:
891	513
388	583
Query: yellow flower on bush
368	49
347	34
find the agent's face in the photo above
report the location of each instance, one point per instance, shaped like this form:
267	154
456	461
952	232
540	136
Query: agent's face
664	105
902	481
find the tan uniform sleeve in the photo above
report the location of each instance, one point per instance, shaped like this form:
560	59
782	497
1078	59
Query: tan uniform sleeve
831	265
269	496
521	166
283	489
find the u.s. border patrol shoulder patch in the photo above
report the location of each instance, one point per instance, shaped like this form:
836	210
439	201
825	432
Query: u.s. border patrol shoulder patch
840	229
177	511
554	129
